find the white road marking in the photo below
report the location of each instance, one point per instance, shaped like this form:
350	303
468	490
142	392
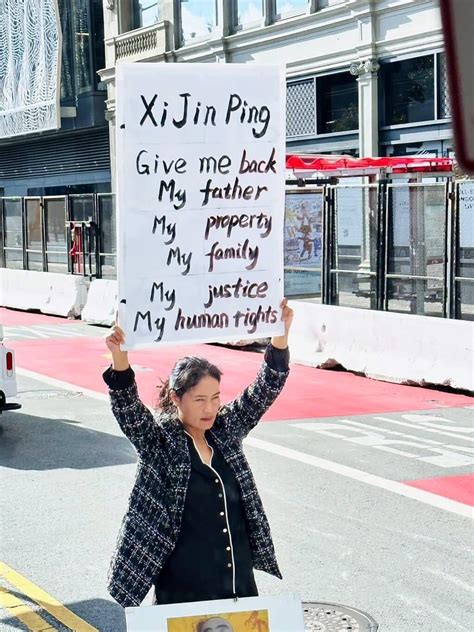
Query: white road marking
38	334
426	429
43	331
451	578
314	426
10	332
364	477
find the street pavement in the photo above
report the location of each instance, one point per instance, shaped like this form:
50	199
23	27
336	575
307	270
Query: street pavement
368	487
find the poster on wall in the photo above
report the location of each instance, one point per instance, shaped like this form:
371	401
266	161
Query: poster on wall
200	196
466	214
350	216
303	242
280	613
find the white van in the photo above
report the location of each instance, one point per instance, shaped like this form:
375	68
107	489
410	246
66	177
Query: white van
7	376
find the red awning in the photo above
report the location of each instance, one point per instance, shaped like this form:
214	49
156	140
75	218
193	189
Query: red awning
393	164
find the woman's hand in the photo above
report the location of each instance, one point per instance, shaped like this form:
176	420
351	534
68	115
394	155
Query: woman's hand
281	342
113	340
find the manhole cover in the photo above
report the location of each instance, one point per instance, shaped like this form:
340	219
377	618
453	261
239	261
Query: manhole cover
327	617
49	394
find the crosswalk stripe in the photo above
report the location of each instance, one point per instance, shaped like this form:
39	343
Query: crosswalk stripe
10	332
19	610
34	331
63	331
45	601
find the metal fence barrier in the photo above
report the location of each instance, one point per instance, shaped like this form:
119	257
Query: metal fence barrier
397	247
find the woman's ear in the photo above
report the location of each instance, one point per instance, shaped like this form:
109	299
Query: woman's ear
174	398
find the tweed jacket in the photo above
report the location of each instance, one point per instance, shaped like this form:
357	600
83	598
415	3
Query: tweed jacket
151	525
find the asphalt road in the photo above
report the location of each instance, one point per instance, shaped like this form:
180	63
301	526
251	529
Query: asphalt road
368	511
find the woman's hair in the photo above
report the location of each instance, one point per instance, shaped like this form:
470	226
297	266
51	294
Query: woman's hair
186	373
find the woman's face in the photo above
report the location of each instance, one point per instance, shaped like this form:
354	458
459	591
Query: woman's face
197	408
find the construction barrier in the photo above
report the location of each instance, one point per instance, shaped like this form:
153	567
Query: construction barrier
101	302
49	292
402	348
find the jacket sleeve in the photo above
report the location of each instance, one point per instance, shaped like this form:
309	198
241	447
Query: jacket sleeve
134	418
239	416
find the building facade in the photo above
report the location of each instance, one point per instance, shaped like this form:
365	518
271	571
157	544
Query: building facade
72	156
364	77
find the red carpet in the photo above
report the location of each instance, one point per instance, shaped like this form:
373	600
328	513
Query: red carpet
14	318
308	393
460	488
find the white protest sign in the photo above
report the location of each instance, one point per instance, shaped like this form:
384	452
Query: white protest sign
200	197
282	613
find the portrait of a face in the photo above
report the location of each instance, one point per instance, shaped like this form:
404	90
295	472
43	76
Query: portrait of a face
215	624
244	621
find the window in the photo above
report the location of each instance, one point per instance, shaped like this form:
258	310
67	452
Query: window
13	227
409	90
337	98
82	46
67	61
249	13
322	105
322	4
147	12
198	19
288	8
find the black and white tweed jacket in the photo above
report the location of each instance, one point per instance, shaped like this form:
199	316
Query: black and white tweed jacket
151	525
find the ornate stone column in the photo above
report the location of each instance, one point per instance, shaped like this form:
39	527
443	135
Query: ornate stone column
366	72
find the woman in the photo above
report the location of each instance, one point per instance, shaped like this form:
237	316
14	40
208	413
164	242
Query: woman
195	526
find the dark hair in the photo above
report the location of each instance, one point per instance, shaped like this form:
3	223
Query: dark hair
186	373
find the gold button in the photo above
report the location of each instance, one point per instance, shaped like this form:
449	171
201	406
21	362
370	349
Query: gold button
221	514
224	530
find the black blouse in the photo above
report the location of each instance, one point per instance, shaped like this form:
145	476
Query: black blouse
212	557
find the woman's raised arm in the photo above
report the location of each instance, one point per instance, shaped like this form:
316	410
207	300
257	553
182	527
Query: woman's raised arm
134	418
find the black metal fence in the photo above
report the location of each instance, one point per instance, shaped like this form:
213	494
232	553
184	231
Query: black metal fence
73	234
396	247
405	248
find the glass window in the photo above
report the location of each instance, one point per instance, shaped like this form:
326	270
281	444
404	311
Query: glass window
34	240
98	39
56	247
12	220
67	58
249	12
409	90
322	4
13	223
198	19
337	99
147	12
82	46
287	8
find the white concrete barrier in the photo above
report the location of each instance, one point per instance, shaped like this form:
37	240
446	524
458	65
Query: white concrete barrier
400	348
48	292
101	302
